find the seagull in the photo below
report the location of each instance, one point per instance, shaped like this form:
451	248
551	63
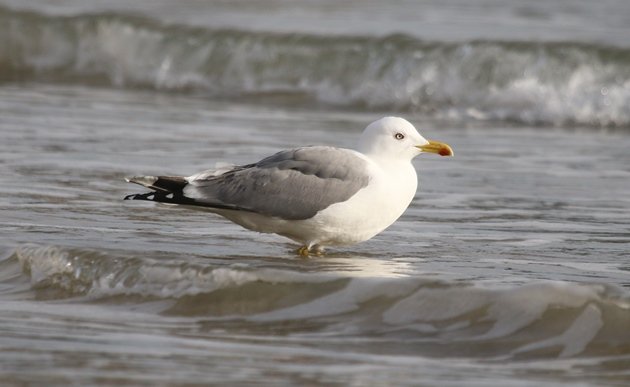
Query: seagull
318	196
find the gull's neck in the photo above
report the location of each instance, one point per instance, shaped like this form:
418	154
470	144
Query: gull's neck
387	162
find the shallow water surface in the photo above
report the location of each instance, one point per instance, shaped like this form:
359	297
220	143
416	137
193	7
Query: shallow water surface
510	267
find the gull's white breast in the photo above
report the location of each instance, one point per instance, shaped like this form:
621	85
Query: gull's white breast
371	210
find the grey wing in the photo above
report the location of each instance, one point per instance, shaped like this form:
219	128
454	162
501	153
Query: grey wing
293	184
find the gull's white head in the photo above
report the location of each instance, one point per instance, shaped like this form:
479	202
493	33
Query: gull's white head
396	138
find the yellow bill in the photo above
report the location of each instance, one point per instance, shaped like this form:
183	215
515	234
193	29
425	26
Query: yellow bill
440	148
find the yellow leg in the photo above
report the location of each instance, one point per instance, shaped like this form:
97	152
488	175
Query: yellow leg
317	250
306	251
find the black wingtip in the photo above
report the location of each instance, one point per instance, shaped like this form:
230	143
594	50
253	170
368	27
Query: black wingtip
146	196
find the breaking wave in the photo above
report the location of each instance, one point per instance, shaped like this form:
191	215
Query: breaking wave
548	319
532	83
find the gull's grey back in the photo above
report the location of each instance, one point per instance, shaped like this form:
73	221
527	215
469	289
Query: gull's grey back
293	184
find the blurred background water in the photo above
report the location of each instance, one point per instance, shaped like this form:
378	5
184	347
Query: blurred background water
511	266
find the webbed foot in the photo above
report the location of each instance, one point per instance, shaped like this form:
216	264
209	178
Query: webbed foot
306	251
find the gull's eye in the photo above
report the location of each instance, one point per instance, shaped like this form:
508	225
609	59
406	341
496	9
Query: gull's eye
399	136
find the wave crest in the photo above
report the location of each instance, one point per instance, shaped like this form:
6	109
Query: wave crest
547	318
532	83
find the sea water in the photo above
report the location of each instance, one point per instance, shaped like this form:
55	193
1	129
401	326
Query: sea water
511	266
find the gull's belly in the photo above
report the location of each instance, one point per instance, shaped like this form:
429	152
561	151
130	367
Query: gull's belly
366	214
